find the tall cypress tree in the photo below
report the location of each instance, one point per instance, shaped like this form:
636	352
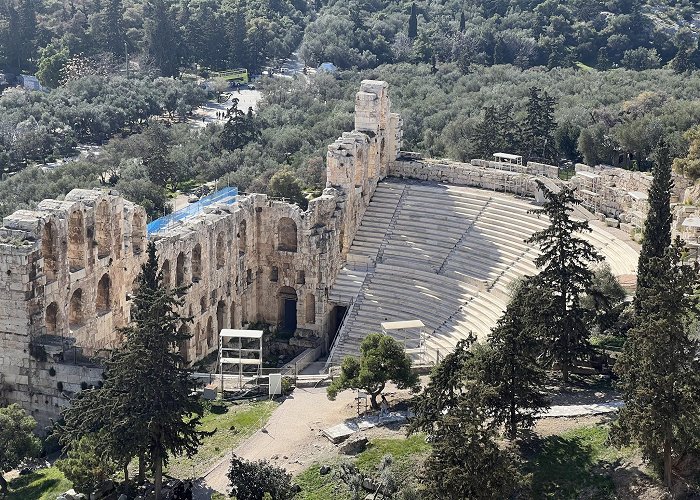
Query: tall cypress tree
657	226
565	273
540	125
413	23
659	368
511	367
146	404
160	38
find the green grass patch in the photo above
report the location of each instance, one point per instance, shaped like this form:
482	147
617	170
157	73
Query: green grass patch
407	454
45	484
233	424
575	464
401	449
314	486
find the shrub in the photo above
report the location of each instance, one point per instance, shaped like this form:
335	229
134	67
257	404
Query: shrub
252	480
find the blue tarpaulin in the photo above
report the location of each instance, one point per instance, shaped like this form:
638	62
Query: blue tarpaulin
226	195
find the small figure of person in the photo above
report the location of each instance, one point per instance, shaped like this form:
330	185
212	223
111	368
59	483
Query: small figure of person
383	407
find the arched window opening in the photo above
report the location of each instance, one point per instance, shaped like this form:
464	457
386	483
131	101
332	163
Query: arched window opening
203	304
287	235
310	309
242	237
197	263
103	229
165	269
138	233
180	270
210	333
49	250
75	310
52	318
232	316
220	251
103	303
76	241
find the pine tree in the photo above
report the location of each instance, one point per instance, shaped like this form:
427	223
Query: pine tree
511	366
160	40
146	403
657	226
413	23
564	272
659	368
462	22
466	461
483	136
540	125
114	27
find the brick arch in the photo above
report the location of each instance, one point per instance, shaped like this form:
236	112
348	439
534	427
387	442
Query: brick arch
167	274
180	269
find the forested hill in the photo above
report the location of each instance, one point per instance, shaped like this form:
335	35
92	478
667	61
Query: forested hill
637	34
41	35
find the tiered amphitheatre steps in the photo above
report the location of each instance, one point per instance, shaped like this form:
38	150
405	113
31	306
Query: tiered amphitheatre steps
447	255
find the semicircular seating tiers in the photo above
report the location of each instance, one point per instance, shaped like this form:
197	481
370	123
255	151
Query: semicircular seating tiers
447	255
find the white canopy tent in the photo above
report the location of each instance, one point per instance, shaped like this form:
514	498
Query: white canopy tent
238	355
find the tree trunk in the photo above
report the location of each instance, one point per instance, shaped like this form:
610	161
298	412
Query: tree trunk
373	400
3	485
142	469
158	475
565	372
512	431
668	464
126	472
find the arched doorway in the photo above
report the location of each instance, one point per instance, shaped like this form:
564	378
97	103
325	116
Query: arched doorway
287	310
103	303
52	318
75	310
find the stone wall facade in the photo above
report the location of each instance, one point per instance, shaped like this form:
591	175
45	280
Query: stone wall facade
67	269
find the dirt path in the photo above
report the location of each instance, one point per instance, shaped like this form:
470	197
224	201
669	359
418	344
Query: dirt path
291	438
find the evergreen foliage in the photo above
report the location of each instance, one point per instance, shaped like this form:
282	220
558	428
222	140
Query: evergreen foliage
85	467
659	369
382	359
657	226
511	366
146	406
239	129
413	23
565	273
18	440
258	480
540	126
454	410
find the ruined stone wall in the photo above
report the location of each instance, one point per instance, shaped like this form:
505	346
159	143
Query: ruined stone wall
67	268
